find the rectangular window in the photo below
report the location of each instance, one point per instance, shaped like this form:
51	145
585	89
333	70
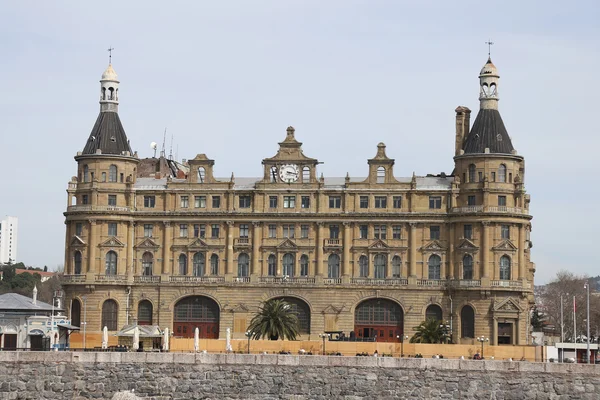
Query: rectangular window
184	202
244	201
335	201
149	201
288	231
244	229
396	232
305	201
334	231
112	229
304	231
272	231
200	201
289	201
505	232
502	201
470	200
380	232
272	201
112	199
78	229
397	200
364	201
183	230
84	199
493	177
480	175
434	232
435	202
468	231
216	202
214	231
200	230
148	230
380	202
363	231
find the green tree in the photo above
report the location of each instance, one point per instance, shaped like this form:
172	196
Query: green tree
275	319
536	320
429	331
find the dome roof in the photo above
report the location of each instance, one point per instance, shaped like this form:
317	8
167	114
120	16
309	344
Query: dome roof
489	69
109	74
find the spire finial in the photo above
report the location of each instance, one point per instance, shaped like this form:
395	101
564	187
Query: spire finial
490	44
110	49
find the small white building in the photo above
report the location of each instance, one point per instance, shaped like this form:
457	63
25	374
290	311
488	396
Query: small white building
9	230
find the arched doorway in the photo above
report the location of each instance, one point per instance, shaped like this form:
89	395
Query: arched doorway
434	312
467	322
196	312
145	313
379	319
302	310
75	312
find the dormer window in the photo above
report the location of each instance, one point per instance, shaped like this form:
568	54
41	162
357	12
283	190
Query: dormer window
380	175
113	139
201	174
306	175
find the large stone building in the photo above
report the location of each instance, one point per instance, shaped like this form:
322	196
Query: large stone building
9	235
155	241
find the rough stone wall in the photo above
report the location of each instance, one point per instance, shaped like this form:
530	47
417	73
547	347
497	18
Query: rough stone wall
164	376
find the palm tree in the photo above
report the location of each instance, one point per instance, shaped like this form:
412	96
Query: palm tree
429	331
275	319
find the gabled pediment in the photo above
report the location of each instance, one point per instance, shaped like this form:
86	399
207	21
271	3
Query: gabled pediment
197	244
379	244
507	304
505	245
331	309
112	242
77	241
467	245
287	244
240	308
147	243
433	246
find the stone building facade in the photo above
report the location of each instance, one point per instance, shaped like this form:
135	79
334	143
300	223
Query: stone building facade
155	241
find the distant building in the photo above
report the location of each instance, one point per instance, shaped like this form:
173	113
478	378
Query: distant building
45	275
9	229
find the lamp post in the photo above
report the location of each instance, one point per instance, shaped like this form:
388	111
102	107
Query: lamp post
401	338
323	336
249	336
482	340
446	332
587	286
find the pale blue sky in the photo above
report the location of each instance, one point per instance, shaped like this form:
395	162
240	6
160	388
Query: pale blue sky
227	78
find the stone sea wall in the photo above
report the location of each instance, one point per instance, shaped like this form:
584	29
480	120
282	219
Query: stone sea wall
161	376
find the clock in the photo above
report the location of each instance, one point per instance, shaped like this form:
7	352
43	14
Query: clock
289	173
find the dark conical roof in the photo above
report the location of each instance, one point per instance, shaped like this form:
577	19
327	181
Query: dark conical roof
107	135
488	131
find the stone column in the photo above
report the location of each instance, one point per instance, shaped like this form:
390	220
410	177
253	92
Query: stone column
320	243
347	245
91	270
522	245
494	337
68	266
229	265
413	249
168	236
130	237
485	250
451	272
256	236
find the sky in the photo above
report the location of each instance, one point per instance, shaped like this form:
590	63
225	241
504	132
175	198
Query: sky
226	78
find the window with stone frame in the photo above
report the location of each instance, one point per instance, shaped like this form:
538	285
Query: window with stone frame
110	315
183	230
468	267
214	231
380	201
335	201
272	201
272	265
363	266
272	231
504	231
435	202
501	201
112	173
434	232
148	228
244	201
289	231
289	201
112	200
304	265
147	261
149	201
334	231
397	201
216	201
471	200
396	232
305	202
468	231
112	229
364	201
380	232
363	231
244	230
214	264
434	265
200	201
78	228
184	202
396	266
304	229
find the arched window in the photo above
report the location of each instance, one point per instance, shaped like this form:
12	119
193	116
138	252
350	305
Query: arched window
304	265
379	318
305	175
434	267
467	267
111	93
472	173
363	267
199	267
434	312
77	262
288	265
103	93
502	173
104	177
273	176
112	173
272	265
302	311
182	264
144	313
505	268
75	312
109	315
111	263
396	267
243	264
147	261
86	174
467	322
380	175
196	312
380	266
333	266
201	174
214	264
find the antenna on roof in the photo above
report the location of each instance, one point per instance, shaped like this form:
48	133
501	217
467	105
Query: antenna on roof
171	149
489	43
162	152
110	49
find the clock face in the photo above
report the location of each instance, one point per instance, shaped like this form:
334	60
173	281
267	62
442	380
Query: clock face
288	173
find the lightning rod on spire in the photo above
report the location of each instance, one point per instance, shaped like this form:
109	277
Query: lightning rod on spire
489	43
110	49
